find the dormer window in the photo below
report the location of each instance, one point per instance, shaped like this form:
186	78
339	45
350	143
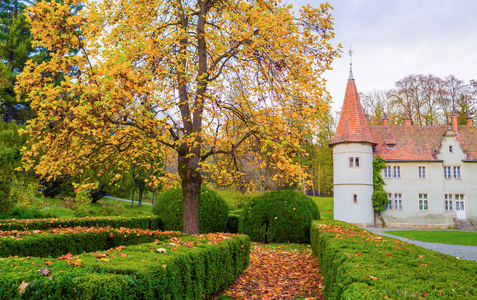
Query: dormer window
390	144
451	148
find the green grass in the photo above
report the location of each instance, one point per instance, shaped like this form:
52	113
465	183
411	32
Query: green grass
325	204
444	237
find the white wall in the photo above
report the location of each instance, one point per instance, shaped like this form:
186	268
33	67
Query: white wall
435	185
349	181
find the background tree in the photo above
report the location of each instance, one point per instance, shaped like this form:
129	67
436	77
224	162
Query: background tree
426	99
159	76
15	50
11	143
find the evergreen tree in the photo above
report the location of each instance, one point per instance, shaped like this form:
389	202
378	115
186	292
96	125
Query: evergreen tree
15	50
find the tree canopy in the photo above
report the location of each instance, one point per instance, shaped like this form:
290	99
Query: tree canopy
214	87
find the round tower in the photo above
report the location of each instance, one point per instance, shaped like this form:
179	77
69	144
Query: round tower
353	162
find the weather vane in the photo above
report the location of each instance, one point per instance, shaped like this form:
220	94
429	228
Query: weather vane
350	63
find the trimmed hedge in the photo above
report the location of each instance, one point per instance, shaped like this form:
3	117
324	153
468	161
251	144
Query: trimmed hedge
357	264
279	216
78	240
149	222
181	268
213	210
233	221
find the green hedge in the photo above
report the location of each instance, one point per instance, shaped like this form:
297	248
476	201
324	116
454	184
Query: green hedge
357	264
149	222
233	221
279	216
213	210
78	240
191	268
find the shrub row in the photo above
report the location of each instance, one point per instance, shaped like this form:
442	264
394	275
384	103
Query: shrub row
357	264
149	222
180	268
58	241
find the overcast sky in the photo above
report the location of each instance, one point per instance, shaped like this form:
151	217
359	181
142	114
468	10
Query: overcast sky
394	38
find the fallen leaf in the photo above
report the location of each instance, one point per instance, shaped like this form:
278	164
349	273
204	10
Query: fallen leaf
22	287
45	272
162	250
101	255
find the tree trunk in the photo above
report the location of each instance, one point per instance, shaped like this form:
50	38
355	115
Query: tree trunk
141	192
191	182
133	198
154	197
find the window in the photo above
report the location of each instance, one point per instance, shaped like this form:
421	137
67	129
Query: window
387	172
422	172
398	201
451	148
394	201
456	172
459	203
452	172
423	205
392	171
354	162
447	173
397	172
355	198
390	201
448	201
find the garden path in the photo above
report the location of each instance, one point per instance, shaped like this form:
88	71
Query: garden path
279	272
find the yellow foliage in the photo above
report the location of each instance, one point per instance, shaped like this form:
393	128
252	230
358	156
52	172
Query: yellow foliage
229	88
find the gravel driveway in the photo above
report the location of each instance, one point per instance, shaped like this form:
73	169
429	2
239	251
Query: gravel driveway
464	252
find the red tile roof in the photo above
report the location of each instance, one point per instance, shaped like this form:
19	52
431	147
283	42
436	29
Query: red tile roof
352	126
420	142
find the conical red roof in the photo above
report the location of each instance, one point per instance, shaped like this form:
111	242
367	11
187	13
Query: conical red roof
352	126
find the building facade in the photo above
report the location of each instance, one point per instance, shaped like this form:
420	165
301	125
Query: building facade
430	174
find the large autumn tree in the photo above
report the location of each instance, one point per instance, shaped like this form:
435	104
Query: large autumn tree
212	81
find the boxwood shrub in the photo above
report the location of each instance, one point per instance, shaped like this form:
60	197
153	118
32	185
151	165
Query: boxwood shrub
357	264
213	210
189	267
76	240
279	216
148	222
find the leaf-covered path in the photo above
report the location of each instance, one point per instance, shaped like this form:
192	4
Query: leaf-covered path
279	272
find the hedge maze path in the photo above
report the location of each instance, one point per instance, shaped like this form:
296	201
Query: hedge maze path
279	273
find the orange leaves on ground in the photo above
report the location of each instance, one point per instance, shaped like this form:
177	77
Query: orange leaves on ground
282	274
67	256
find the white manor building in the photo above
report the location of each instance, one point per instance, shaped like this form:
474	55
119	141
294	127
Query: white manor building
430	174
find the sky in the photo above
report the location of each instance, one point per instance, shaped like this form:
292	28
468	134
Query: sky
391	39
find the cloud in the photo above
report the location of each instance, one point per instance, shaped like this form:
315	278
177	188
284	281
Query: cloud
395	38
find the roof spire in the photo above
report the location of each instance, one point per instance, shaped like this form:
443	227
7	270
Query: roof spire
350	63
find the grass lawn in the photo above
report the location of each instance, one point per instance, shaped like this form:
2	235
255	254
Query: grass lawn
444	237
325	204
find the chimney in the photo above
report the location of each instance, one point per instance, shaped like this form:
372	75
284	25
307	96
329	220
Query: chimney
407	120
385	120
470	121
454	122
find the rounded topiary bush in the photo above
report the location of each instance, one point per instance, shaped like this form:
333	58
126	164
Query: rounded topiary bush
213	210
279	216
